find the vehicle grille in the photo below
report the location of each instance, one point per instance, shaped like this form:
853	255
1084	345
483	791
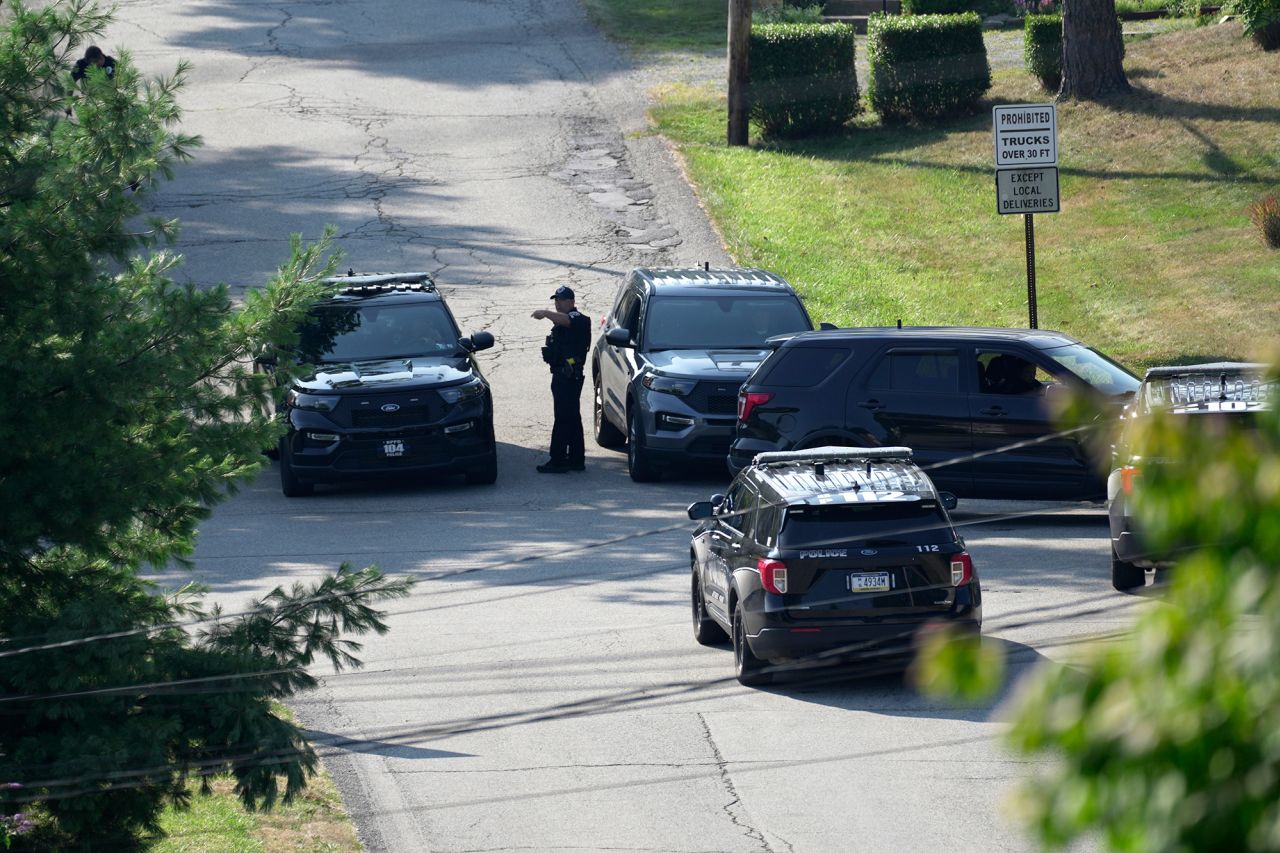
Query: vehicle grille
407	416
715	398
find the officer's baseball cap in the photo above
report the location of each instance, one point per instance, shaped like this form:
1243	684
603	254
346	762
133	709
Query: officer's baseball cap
563	292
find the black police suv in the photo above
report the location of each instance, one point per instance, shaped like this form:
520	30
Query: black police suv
976	406
830	554
1219	396
676	347
395	389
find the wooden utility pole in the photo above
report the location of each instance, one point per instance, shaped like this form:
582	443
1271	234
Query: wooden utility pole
739	51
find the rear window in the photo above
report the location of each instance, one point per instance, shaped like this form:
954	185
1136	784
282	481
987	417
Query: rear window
870	524
803	367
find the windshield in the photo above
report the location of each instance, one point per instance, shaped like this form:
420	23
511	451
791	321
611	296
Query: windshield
732	321
1095	368
364	333
870	524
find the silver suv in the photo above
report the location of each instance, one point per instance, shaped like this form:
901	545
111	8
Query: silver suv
676	347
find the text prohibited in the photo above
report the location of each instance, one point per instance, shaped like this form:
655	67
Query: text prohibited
1026	135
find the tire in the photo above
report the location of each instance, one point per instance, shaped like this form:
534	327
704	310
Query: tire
485	474
289	482
639	465
1126	577
751	671
705	629
607	435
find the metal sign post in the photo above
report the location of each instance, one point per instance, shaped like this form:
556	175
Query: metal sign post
1026	146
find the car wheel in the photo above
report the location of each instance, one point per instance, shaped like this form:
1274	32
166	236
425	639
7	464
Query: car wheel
1126	576
749	668
607	435
705	629
485	474
289	482
639	466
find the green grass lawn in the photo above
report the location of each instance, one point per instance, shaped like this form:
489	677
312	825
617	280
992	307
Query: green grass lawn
1152	259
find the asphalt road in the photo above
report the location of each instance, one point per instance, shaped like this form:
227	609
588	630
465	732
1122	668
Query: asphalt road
541	689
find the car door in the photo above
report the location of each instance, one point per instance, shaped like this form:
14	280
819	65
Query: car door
726	546
915	397
1019	451
617	364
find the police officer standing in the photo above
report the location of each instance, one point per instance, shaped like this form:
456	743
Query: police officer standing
566	353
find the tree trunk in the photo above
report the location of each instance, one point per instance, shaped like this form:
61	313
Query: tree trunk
739	49
1092	51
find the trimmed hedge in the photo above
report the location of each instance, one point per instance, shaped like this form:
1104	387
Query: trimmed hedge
1042	49
926	66
802	78
938	7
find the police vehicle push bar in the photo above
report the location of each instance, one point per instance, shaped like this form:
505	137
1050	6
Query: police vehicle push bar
832	454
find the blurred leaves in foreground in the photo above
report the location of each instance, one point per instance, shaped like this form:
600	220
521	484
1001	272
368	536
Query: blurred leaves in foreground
1169	738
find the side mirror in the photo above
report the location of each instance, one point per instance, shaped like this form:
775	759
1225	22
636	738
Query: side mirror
619	337
700	510
267	360
476	342
948	500
826	326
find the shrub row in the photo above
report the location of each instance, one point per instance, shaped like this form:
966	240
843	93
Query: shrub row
1262	21
1042	49
926	66
802	78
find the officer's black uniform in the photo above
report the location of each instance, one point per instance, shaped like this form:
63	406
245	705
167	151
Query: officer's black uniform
566	353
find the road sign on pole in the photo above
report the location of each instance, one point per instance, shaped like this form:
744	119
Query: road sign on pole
1026	143
1025	135
1027	190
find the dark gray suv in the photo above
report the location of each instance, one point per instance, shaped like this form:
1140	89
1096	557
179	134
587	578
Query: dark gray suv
676	347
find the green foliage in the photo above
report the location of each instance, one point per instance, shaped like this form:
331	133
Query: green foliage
786	13
938	7
1265	214
802	78
1166	739
1261	21
926	67
1042	49
130	408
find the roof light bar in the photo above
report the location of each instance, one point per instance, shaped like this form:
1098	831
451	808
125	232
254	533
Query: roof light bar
833	454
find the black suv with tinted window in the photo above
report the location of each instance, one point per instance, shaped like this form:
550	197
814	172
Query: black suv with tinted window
831	554
394	389
675	348
976	406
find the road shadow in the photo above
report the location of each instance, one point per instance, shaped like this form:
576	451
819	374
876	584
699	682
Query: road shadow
882	687
328	740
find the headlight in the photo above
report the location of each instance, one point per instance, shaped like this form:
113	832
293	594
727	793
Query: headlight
668	385
461	393
310	402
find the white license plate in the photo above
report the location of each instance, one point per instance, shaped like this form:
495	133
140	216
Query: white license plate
877	582
393	447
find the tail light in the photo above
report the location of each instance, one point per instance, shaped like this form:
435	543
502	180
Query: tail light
1128	474
773	574
961	569
748	400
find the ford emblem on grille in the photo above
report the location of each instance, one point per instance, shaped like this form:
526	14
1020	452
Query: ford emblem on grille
390	407
869	552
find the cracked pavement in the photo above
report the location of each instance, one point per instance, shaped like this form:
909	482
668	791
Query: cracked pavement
540	690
